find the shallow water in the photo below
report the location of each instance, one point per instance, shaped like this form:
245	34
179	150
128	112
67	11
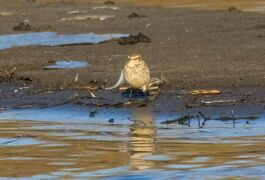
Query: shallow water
69	142
67	64
53	39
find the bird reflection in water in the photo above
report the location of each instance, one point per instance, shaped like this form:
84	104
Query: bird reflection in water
142	139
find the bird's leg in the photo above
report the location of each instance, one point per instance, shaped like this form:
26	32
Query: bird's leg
145	96
144	90
130	95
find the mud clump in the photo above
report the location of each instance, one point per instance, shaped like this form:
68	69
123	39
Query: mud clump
109	3
260	36
111	120
42	28
134	39
234	9
22	27
259	27
135	15
31	1
26	79
27	27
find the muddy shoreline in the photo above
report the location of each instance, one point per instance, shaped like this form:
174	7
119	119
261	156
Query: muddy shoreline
58	122
192	49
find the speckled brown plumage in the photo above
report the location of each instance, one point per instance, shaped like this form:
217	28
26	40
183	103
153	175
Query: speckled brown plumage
136	72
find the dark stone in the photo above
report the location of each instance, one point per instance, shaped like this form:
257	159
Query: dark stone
135	15
111	120
134	39
92	114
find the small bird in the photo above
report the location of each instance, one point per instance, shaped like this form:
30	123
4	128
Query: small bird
136	73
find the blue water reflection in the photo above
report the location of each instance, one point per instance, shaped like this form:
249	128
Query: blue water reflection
53	39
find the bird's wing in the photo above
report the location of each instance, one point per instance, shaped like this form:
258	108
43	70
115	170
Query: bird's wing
120	81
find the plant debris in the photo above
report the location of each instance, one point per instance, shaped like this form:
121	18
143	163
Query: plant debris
6	76
87	17
232	118
184	120
214	103
219	102
92	94
205	92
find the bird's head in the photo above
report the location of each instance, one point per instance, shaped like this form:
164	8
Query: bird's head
135	57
